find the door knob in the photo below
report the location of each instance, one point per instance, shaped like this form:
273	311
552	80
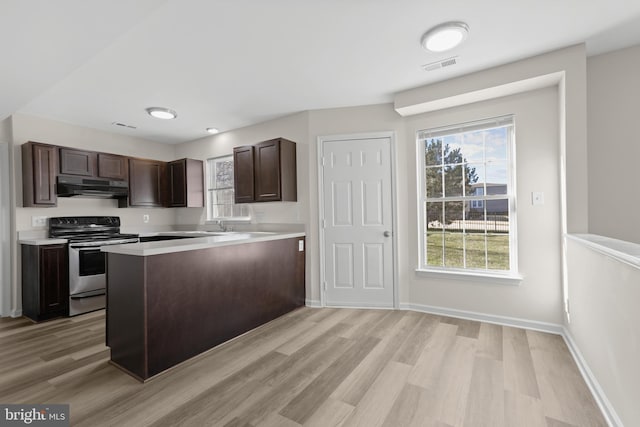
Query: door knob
387	233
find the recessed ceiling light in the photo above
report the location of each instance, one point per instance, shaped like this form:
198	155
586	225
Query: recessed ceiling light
445	36
162	113
212	131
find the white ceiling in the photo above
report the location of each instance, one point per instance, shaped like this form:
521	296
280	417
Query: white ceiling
228	64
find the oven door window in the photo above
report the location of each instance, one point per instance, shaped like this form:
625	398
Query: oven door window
91	262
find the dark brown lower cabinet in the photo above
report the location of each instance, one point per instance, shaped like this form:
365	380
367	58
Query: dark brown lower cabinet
45	281
165	309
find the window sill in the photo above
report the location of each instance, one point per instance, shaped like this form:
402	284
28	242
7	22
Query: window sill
231	220
491	278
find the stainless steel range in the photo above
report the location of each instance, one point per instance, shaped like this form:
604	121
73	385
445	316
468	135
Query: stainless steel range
86	235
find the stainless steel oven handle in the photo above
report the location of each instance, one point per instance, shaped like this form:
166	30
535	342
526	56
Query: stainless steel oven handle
89	294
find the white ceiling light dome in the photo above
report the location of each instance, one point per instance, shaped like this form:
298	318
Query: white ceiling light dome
445	36
162	113
213	131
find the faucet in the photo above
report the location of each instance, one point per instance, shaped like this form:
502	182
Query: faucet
222	226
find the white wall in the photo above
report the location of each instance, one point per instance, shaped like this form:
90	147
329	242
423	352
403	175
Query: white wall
571	64
539	295
29	128
5	218
614	145
604	295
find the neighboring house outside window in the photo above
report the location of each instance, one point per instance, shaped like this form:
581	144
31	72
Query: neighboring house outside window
466	177
220	195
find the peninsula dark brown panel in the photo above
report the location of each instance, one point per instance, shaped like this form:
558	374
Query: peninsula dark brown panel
194	300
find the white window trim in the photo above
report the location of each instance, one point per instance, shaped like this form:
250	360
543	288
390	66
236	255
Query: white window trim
511	276
216	220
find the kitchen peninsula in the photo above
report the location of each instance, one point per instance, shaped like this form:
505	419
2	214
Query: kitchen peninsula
168	301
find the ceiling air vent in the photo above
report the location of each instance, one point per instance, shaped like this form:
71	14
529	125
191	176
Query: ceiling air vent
440	64
123	125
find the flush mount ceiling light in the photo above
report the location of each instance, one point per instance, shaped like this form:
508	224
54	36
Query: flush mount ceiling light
445	36
162	113
212	131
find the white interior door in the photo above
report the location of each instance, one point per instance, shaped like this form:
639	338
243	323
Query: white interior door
357	222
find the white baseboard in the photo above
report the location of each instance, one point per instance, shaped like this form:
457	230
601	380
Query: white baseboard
551	328
16	313
594	386
312	303
357	305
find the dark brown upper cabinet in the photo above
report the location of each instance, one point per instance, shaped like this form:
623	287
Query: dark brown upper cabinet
77	162
243	184
273	173
45	281
186	183
39	170
113	166
146	183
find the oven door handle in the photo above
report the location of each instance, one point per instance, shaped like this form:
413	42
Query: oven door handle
85	248
89	294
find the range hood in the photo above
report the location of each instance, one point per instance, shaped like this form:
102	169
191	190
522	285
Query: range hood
76	186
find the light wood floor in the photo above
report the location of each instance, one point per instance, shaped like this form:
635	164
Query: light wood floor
312	367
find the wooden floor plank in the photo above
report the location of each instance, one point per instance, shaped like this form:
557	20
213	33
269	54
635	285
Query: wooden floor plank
522	410
519	373
354	387
485	403
466	328
565	396
413	408
490	341
310	399
412	347
332	413
426	371
392	368
379	399
449	393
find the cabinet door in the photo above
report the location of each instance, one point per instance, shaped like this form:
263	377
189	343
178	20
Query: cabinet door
54	281
112	166
146	183
267	170
39	162
243	177
76	162
178	183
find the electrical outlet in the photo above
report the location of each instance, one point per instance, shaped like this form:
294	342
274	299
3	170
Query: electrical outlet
39	221
145	218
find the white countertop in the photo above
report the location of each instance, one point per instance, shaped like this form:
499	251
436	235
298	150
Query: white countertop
190	244
43	241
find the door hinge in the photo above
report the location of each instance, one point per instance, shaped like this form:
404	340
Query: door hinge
323	223
566	307
325	285
323	162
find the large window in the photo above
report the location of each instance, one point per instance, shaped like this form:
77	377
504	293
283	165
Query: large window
220	198
467	203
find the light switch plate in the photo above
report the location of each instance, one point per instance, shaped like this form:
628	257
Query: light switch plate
145	218
300	245
537	198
